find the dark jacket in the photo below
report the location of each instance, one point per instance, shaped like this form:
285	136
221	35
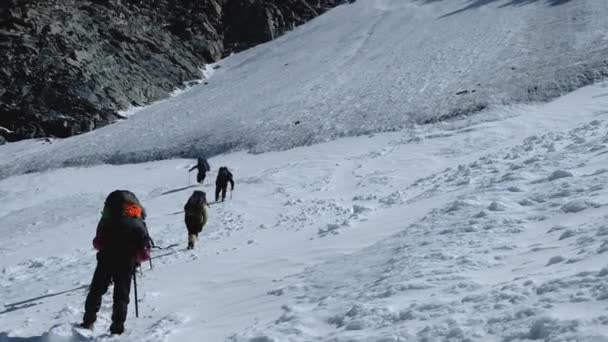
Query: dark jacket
201	165
195	212
224	176
122	235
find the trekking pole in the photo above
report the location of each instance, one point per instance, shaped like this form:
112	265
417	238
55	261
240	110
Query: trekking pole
153	245
135	286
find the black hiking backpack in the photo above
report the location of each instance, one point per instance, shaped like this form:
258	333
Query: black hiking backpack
202	162
224	173
118	202
123	225
196	203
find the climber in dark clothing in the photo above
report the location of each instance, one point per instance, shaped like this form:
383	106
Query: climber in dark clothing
202	166
195	216
122	242
224	176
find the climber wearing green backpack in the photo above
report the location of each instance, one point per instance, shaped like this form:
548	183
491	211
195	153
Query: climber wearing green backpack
196	216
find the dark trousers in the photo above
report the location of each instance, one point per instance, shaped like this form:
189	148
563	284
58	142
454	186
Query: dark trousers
194	226
219	188
106	272
200	177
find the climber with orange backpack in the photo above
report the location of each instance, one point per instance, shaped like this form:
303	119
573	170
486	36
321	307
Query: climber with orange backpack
123	243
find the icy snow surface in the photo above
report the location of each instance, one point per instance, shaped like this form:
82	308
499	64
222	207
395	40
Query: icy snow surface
492	228
374	65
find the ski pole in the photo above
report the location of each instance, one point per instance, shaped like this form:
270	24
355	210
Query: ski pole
135	286
152	245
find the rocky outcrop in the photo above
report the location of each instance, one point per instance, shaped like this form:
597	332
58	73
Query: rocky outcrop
68	66
247	23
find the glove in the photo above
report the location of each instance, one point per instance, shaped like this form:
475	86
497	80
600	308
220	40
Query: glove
97	243
142	255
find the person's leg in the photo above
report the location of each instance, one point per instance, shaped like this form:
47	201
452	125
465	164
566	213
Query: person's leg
224	189
122	288
191	240
99	286
196	235
188	221
217	192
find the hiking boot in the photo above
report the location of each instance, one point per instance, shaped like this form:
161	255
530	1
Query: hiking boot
117	328
88	320
87	325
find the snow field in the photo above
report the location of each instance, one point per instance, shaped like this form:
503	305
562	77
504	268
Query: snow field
489	228
370	66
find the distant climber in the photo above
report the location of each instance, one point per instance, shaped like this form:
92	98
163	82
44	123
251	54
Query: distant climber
224	176
202	166
122	242
196	216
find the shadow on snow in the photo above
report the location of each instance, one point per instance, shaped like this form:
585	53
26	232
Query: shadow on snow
30	302
473	4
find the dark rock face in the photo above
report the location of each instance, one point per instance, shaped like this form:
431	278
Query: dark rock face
250	22
67	66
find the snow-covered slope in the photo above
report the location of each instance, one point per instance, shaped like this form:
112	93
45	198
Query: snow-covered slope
369	66
490	228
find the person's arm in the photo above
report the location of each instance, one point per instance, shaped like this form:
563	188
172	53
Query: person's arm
98	241
143	253
231	180
194	167
101	232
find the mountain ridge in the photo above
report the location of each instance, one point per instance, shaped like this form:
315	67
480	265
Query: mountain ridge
71	66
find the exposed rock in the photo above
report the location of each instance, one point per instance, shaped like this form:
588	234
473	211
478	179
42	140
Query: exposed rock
68	66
